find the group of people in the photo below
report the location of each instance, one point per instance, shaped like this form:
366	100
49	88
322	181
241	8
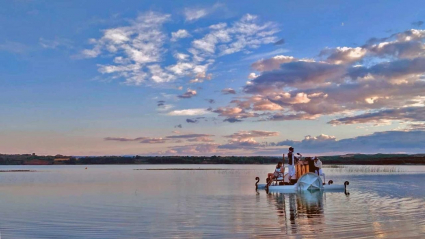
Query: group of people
279	172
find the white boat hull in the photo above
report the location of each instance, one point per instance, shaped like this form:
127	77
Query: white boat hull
294	188
308	181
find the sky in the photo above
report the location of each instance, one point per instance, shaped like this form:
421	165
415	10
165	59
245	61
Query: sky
211	77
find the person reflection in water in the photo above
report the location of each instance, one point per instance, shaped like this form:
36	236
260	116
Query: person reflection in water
305	211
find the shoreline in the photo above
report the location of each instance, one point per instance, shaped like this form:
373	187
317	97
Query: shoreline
325	165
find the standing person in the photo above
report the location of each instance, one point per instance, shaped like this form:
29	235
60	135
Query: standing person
311	167
292	160
318	167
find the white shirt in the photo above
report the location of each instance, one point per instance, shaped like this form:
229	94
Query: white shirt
318	164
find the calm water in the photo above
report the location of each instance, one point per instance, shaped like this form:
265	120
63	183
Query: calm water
119	202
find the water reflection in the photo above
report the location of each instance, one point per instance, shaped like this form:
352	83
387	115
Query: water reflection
297	212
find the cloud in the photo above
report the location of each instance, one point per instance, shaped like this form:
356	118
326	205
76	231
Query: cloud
189	136
14	47
123	139
228	91
300	74
182	33
234	112
285	117
256	103
162	106
152	141
252	76
305	89
201	139
206	138
247	33
403	49
286	98
255	57
196	80
143	140
195	120
137	51
138	54
192	137
193	14
161	103
243	135
272	63
188	94
280	42
135	45
403	114
55	43
159	75
193	149
343	55
189	112
397	69
178	126
192	121
181	56
246	139
200	77
245	144
232	120
379	142
416	126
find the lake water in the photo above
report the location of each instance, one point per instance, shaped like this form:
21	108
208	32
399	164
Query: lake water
116	201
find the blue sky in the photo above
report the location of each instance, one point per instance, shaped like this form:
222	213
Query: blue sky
139	77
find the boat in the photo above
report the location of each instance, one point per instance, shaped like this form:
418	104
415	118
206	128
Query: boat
304	180
308	181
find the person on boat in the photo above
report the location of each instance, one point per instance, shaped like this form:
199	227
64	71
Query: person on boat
311	167
318	167
292	160
279	172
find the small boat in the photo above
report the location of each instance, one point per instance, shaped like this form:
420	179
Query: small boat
308	181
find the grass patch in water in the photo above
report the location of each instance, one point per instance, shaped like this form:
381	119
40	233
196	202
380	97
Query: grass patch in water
186	169
364	169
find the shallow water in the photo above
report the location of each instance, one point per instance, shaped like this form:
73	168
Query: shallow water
115	201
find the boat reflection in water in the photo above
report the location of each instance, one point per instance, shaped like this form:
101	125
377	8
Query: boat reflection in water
299	212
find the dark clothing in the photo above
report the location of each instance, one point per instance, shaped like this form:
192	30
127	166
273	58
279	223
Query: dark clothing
311	167
290	159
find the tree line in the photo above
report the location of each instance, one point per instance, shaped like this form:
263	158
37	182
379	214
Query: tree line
375	159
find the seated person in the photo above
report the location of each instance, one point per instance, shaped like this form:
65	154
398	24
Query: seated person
279	172
318	167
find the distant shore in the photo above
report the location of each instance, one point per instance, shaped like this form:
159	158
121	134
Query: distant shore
16	171
348	159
